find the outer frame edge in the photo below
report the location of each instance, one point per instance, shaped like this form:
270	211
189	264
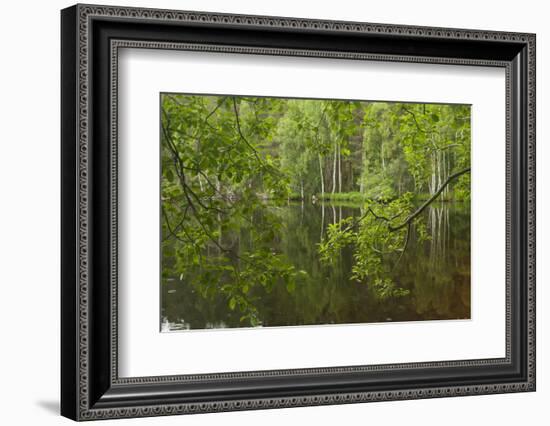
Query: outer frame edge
84	413
69	337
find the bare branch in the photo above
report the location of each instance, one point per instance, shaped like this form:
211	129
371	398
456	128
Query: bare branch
241	133
420	129
414	215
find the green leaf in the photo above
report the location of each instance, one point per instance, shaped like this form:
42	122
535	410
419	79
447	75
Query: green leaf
291	286
169	175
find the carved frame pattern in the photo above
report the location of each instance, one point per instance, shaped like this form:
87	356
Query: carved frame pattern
85	14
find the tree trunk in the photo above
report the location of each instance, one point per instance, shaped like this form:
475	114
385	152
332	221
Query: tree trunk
363	161
334	167
339	169
439	169
322	177
433	181
322	218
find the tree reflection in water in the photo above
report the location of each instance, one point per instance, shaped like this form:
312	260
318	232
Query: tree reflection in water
435	271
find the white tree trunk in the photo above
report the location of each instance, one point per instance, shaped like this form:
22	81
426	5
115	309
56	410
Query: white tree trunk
322	176
339	169
334	167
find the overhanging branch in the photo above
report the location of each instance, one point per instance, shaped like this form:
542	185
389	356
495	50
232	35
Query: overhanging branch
418	211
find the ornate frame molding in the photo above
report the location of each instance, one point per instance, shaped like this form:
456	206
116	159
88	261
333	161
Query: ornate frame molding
78	25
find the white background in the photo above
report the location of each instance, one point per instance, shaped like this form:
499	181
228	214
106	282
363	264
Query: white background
29	213
141	345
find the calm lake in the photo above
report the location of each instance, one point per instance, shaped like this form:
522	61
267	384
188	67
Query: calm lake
436	272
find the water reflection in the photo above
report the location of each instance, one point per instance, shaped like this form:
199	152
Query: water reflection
436	271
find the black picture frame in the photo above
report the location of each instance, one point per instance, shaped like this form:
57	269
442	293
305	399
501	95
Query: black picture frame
90	386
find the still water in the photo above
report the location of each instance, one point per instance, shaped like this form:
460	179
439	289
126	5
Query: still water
435	271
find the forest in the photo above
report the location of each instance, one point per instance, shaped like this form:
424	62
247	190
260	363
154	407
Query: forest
307	206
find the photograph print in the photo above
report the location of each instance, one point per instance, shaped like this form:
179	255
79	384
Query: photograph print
299	212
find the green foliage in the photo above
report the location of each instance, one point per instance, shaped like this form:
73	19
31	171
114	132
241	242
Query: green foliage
414	147
217	174
386	289
228	162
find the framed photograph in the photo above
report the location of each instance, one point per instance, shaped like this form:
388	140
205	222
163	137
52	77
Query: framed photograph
263	212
